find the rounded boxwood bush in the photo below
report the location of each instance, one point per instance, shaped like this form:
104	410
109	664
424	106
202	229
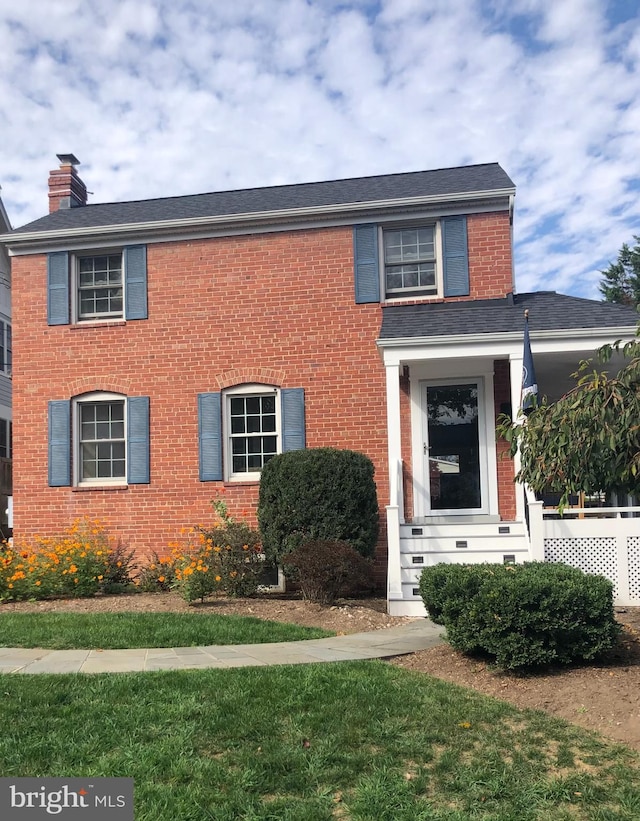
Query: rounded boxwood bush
526	616
446	588
317	493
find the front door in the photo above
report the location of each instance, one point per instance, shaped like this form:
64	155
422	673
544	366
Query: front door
454	447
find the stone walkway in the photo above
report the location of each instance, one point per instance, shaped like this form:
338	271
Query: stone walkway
395	641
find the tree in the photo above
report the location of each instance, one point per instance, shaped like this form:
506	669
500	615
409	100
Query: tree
589	440
621	282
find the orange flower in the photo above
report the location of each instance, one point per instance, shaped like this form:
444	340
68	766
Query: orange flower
161	579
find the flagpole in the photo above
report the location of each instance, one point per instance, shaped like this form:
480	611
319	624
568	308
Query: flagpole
529	394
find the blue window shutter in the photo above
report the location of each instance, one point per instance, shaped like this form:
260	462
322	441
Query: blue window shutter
58	288
293	427
138	440
135	272
210	436
60	443
367	272
456	257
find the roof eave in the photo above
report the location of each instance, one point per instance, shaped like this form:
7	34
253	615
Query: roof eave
621	331
37	238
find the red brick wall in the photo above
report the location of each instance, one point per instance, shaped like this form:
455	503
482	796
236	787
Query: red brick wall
490	263
266	307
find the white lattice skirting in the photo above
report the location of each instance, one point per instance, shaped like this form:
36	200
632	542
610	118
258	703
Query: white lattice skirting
615	557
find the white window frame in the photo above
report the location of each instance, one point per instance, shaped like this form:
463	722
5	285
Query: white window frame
76	318
412	293
253	389
90	399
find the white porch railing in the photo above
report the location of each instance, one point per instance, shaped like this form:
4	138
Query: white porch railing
602	540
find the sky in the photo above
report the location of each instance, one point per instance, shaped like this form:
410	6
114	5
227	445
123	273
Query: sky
167	97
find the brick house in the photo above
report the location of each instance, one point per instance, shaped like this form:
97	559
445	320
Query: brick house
166	348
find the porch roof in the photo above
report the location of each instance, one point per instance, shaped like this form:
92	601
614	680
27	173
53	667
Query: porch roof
548	311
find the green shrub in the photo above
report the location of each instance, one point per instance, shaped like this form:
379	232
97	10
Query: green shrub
525	616
327	569
318	493
448	587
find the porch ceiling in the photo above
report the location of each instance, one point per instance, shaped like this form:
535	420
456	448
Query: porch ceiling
553	370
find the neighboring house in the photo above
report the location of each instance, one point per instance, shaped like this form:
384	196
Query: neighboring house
5	379
169	347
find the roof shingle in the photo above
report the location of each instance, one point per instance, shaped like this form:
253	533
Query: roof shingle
442	182
548	311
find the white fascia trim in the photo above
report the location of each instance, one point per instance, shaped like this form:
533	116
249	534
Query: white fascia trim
259	217
477	346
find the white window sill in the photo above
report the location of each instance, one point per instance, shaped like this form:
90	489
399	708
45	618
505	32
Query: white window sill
85	487
96	323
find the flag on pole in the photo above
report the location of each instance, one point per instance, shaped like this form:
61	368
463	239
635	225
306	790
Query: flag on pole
529	398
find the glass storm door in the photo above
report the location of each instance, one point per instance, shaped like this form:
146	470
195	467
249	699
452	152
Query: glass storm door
454	448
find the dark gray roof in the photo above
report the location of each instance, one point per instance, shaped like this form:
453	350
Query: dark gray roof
548	311
444	182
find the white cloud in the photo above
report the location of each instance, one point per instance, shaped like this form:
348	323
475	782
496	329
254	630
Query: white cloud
162	98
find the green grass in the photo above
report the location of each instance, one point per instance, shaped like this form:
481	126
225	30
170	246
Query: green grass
61	631
355	740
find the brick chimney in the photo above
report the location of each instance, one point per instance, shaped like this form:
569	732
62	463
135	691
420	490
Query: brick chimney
66	189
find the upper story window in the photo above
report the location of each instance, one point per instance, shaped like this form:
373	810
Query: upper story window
393	261
99	286
410	263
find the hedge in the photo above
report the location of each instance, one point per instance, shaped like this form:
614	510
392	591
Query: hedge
524	616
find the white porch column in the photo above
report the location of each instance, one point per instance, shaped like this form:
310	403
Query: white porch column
394	442
395	512
515	373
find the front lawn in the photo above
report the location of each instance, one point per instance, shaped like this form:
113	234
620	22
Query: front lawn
354	740
61	631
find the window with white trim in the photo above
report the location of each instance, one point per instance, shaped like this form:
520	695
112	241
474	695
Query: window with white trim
100	441
99	286
252	429
411	260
